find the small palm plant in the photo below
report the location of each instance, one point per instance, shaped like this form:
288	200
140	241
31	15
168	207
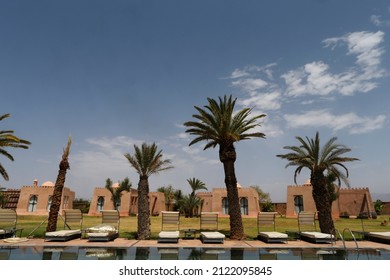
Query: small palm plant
169	195
191	203
146	161
116	192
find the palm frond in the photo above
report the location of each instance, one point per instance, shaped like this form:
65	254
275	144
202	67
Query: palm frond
147	161
216	123
312	156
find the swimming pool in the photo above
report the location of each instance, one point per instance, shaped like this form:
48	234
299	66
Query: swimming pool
169	253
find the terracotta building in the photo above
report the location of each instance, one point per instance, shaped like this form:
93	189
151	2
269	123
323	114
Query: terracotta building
350	202
216	201
101	200
36	200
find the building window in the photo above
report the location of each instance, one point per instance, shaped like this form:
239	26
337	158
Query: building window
298	203
225	206
100	204
32	203
49	201
66	202
244	205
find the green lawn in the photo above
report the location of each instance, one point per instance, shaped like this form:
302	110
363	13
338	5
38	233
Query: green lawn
128	225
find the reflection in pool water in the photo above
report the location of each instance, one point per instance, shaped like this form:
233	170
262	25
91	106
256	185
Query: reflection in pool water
169	253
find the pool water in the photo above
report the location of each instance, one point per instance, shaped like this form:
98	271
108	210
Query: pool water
153	253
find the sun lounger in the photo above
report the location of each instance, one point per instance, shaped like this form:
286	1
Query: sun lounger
209	228
8	222
71	217
266	219
108	230
308	219
379	236
170	226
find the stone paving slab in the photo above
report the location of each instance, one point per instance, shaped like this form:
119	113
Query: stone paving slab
123	242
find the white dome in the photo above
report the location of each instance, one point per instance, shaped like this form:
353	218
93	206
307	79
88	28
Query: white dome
48	184
308	182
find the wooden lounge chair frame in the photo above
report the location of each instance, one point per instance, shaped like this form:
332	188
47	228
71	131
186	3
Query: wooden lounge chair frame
314	236
267	219
71	216
170	227
109	228
209	228
8	223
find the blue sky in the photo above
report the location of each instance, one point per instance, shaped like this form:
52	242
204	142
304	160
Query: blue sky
117	73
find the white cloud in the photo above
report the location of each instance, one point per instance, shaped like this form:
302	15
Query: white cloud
354	123
238	73
107	144
266	101
271	130
378	21
258	87
316	78
250	85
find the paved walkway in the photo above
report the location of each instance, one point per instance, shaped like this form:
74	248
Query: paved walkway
122	242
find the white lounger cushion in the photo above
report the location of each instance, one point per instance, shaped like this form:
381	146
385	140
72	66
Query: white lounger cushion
103	228
273	234
212	234
169	234
64	232
316	235
382	235
99	234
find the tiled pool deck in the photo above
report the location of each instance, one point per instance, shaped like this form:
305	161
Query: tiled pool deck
122	242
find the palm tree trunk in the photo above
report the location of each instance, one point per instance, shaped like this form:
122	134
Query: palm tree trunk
143	209
56	199
228	157
322	200
57	194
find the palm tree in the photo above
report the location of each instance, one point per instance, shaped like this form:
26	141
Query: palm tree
191	202
116	192
218	125
196	185
57	194
317	159
8	139
265	202
146	161
169	196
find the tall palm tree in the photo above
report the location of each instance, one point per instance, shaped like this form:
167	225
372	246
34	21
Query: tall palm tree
328	158
116	192
219	125
146	161
8	139
59	186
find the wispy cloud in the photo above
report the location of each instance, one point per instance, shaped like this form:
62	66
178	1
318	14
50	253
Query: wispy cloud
258	87
267	100
378	21
316	78
352	122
